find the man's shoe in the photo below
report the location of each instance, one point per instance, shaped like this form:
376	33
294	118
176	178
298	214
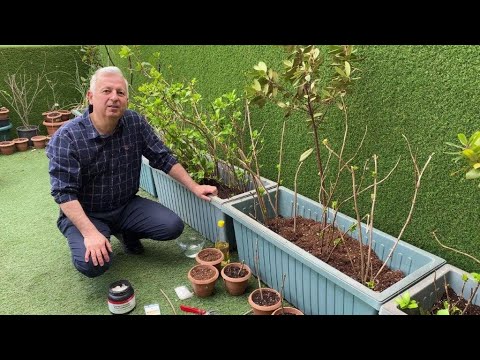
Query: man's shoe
133	247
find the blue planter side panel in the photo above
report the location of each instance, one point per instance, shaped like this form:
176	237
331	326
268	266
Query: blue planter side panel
197	213
146	179
304	288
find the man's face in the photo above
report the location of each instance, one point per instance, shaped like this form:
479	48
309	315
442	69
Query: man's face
109	99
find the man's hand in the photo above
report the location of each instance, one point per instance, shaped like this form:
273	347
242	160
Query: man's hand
203	190
97	247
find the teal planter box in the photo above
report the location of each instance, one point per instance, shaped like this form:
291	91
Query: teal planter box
311	285
197	213
432	288
146	178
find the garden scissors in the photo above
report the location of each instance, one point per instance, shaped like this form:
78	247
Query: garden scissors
196	310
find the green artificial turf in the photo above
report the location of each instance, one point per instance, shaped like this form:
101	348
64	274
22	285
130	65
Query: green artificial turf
35	264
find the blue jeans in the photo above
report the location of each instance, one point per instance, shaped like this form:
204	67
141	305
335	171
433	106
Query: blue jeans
139	218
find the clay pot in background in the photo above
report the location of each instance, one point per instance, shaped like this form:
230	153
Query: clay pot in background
210	256
235	284
269	294
53	126
39	141
7	147
21	144
53	116
66	114
4	113
203	278
287	310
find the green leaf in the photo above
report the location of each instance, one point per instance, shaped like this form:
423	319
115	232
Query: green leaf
454	145
256	85
476	165
340	71
443	312
473	174
463	139
305	155
347	68
476	276
261	66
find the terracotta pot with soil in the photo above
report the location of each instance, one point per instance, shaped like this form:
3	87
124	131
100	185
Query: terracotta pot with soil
210	256
287	310
236	276
21	144
264	301
203	278
39	141
7	147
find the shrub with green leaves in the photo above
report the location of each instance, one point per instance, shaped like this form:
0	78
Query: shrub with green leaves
306	86
199	136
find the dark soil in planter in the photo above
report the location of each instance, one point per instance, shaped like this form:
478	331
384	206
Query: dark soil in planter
209	255
453	298
202	273
269	298
234	272
224	191
343	255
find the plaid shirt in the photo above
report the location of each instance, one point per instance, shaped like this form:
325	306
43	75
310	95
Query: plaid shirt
103	172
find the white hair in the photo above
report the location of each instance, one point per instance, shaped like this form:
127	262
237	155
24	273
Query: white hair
103	71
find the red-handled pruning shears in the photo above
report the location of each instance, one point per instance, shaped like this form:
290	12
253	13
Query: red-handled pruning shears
196	310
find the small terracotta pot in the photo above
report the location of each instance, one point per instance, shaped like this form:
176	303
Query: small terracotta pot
4	113
39	141
210	256
53	126
236	285
203	287
287	310
7	147
262	309
21	144
66	114
54	117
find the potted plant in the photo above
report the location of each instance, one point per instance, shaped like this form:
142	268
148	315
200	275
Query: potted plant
306	251
23	91
454	289
235	277
203	278
205	139
433	295
210	256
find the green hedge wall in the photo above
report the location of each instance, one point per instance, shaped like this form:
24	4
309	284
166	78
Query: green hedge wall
59	62
428	93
